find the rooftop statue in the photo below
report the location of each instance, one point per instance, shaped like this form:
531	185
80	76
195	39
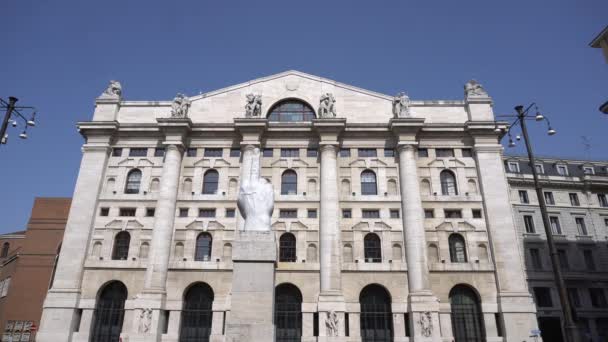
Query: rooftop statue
327	106
256	195
180	106
114	90
401	106
253	108
474	89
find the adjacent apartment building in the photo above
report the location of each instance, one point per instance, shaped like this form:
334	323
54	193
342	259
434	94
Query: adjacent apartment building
576	194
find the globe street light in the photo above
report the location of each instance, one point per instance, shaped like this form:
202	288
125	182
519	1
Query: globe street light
12	111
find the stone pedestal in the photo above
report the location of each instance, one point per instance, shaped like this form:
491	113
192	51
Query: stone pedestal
424	318
252	302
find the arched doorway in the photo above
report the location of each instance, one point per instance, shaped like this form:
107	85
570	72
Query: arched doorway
197	314
376	314
467	319
288	313
109	313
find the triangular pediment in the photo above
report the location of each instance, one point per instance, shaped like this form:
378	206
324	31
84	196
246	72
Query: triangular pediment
361	226
367	163
289	163
127	162
134	224
212	162
297	225
114	224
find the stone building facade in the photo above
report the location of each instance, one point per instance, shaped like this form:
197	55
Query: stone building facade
576	195
392	217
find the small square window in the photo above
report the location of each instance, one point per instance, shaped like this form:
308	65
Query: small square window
150	212
444	152
213	152
476	213
183	212
267	152
104	211
138	152
523	197
367	153
574	200
540	169
347	213
423	153
117	152
543	296
235	152
452	213
230	212
312	213
549	198
562	170
312	152
191	152
389	152
513	167
126	212
467	153
429	213
206	212
529	224
394	213
370	213
288	213
290	152
345	152
159	152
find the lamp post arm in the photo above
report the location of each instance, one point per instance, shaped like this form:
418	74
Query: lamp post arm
9	109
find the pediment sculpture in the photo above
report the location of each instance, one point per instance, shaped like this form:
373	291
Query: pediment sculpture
253	107
401	106
327	106
474	89
180	106
113	91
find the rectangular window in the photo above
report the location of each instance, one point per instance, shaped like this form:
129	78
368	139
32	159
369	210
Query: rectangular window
423	153
513	167
529	224
573	296
370	213
602	199
580	225
117	152
183	212
138	152
312	152
104	211
235	152
598	298
523	197
345	152
444	152
540	169
126	212
288	213
206	212
606	222
476	213
535	258
367	153
562	170
549	198
563	259
574	200
267	153
159	152
394	213
498	320
290	152
230	212
7	283
389	152
556	228
315	324
347	213
312	213
589	260
543	297
467	153
150	212
191	152
588	170
452	213
213	152
429	213
346	324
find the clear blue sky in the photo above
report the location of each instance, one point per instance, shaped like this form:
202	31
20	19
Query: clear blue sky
59	56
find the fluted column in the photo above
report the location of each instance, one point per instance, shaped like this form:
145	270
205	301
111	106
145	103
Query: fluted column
329	227
156	273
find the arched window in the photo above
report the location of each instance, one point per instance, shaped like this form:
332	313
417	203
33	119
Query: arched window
287	248
5	247
291	110
210	181
227	252
288	313
467	319
109	313
232	186
311	253
203	247
312	187
433	253
482	253
458	251
372	248
397	252
448	183
392	187
154	185
376	314
472	186
197	313
187	186
110	185
133	182
96	250
121	246
347	253
368	183
179	251
345	187
425	187
144	248
289	183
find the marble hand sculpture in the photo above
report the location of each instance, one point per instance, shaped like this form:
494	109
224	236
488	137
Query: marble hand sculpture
256	196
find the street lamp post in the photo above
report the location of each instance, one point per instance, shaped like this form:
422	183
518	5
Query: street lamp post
570	328
13	111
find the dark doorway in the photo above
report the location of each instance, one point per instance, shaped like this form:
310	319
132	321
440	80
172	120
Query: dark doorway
550	329
288	313
109	313
376	314
197	314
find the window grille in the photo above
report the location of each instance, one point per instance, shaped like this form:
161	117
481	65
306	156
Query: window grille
121	246
138	152
197	314
203	247
372	248
287	248
109	313
210	182
448	183
290	152
288	314
376	315
289	183
367	153
291	111
133	182
213	152
368	183
458	252
467	320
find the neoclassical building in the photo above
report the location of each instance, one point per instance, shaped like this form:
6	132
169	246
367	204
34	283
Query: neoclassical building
392	217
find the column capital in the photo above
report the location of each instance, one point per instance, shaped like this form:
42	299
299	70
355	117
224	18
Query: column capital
175	130
407	146
329	146
98	133
251	130
406	129
329	129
